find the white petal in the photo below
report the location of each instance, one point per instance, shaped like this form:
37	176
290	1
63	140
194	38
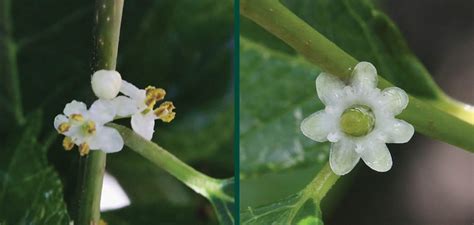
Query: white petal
329	88
364	77
376	156
75	107
343	157
125	106
317	126
144	125
132	91
59	119
102	111
106	83
394	99
106	139
398	131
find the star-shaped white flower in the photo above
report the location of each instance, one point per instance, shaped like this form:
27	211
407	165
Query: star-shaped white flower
85	128
358	119
139	104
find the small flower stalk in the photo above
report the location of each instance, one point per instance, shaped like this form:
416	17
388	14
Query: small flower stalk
86	128
359	119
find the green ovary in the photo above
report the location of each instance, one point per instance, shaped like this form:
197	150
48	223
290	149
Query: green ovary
357	121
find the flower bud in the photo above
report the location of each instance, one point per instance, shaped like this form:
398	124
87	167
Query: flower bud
106	84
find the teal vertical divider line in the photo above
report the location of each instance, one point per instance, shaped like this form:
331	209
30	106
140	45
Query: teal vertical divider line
237	109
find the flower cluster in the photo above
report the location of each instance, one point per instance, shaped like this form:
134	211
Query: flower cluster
86	127
358	119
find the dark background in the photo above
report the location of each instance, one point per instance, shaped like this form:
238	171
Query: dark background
431	183
183	46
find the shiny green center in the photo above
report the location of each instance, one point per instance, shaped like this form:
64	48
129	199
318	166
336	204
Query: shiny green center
357	121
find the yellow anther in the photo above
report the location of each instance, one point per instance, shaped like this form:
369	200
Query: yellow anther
165	112
63	127
153	95
76	117
156	93
168	105
168	117
102	222
84	149
67	143
89	127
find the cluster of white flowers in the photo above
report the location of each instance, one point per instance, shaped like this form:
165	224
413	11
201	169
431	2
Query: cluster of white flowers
86	127
358	119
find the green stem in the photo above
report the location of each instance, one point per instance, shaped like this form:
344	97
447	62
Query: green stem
11	69
90	180
321	184
199	182
315	190
428	119
108	17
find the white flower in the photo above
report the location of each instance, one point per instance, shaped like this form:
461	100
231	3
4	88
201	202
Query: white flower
86	129
140	106
358	119
106	83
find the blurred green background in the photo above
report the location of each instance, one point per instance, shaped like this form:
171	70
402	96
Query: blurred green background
183	46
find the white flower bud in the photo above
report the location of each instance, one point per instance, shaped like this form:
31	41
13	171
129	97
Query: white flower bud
106	83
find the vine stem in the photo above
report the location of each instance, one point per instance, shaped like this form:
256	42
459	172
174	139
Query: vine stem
321	184
11	52
197	181
428	119
108	17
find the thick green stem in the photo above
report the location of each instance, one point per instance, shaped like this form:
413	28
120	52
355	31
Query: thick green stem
428	119
90	180
9	51
200	183
108	17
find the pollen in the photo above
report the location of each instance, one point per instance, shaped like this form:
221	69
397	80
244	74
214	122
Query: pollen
77	117
153	95
156	93
89	127
67	143
64	127
168	117
165	112
84	149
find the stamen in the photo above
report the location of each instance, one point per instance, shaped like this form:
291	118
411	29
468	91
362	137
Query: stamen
89	127
165	112
145	111
67	143
64	127
84	149
168	117
153	95
76	117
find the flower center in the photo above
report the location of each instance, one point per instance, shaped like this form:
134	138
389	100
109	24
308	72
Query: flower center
357	121
88	128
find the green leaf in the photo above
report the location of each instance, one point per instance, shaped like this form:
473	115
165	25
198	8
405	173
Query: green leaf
293	210
368	35
273	106
223	207
30	189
